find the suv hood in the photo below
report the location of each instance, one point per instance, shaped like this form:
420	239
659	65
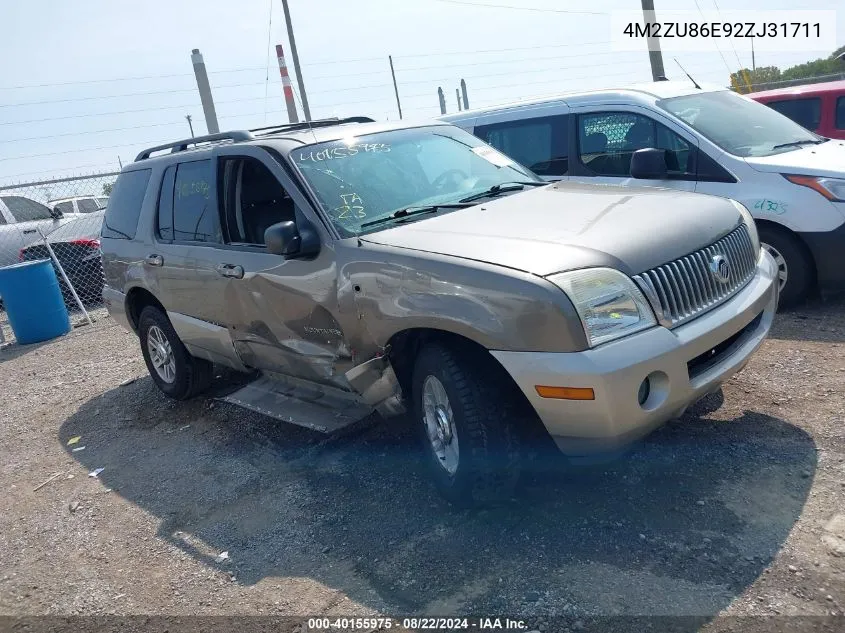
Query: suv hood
566	226
827	159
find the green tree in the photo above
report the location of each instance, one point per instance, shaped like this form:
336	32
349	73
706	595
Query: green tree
762	77
107	188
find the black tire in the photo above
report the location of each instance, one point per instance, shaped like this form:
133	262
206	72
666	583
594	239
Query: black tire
800	274
485	412
192	375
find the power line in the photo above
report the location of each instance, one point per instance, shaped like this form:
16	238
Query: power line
114	129
507	61
724	61
134	111
53	171
84	116
500	50
180	90
84	149
310	64
537	9
730	39
267	71
521	72
350	89
530	83
126	94
334	62
136	78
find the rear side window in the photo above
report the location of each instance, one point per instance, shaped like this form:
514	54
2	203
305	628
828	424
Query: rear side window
195	216
805	112
65	207
840	113
539	144
125	202
26	210
87	205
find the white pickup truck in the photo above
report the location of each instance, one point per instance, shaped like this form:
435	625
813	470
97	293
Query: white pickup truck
20	219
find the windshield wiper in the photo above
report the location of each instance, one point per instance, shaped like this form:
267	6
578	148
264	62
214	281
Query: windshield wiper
410	211
798	143
503	187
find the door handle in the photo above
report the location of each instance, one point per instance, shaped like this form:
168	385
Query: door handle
155	260
231	270
29	231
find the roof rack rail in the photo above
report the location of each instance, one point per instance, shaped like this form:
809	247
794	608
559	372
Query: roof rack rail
305	125
246	135
181	146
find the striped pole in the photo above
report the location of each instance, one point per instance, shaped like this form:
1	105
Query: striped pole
286	87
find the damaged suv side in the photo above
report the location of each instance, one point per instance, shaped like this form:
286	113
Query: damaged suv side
352	266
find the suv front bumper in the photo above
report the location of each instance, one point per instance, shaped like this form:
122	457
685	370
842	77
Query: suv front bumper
682	365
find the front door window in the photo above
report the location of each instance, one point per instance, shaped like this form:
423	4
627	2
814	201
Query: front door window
607	140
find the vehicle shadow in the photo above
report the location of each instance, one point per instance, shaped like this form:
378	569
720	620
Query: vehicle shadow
817	320
681	525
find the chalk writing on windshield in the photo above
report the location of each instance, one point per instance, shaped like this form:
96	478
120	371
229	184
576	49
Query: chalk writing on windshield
352	207
342	151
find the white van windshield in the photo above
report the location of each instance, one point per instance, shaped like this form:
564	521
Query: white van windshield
738	125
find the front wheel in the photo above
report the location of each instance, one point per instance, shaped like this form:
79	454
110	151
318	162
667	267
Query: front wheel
174	371
467	420
794	266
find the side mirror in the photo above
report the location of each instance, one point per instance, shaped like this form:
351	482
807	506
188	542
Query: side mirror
285	239
56	214
649	163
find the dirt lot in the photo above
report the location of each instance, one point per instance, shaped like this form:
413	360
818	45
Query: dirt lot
736	509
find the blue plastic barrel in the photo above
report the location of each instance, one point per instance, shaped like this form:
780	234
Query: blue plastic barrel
33	301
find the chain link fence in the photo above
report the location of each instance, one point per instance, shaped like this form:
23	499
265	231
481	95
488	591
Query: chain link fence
58	220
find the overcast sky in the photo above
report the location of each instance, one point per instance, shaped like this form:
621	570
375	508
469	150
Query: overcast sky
84	82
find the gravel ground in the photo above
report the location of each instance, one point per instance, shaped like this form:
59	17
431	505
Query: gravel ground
736	509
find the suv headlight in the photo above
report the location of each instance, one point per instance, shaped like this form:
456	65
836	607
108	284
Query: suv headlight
750	225
609	303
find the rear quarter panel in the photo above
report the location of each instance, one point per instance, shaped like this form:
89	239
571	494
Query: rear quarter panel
123	260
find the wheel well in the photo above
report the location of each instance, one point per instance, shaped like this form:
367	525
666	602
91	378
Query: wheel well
405	345
780	228
136	300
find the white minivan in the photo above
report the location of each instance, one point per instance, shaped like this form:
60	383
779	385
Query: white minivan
708	140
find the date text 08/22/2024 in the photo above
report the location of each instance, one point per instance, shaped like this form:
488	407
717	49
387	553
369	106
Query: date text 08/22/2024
316	625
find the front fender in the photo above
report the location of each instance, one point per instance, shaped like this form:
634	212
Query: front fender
392	290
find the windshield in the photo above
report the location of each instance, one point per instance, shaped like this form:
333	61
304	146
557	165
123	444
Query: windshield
738	125
361	179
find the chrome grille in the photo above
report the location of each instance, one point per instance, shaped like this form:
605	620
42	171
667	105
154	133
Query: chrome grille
687	287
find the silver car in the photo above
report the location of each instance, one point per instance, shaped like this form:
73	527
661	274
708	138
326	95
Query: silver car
358	266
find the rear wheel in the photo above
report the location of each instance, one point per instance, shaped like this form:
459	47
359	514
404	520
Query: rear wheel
467	418
175	372
794	266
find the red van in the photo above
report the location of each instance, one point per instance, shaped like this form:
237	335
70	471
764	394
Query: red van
818	107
